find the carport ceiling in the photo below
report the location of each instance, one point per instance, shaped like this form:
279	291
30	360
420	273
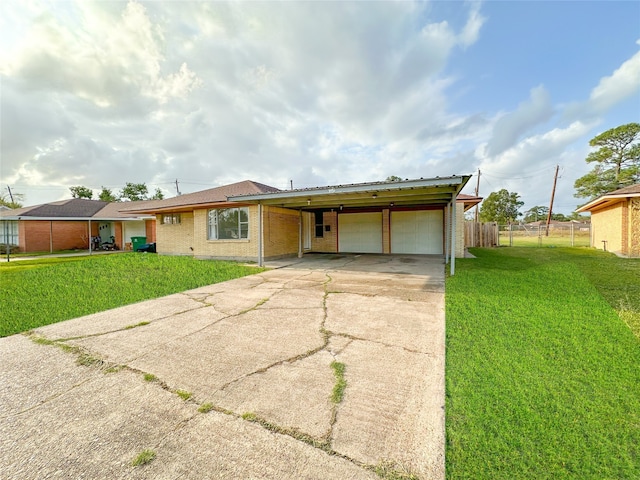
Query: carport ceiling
431	191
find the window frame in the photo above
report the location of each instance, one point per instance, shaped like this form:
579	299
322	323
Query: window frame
213	224
174	219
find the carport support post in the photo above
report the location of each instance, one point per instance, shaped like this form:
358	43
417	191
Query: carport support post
447	219
90	242
300	235
453	237
260	259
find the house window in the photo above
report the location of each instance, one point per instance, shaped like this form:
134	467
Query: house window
228	224
319	224
171	219
9	232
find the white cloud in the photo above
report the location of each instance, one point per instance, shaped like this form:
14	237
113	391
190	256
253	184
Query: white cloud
509	128
623	83
612	90
471	30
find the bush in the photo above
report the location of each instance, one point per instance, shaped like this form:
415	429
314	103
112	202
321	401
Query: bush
12	249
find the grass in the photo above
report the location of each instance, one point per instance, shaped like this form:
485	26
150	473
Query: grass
543	376
581	239
338	389
42	291
143	458
205	407
183	394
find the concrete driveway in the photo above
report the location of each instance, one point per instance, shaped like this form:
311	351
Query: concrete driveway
235	380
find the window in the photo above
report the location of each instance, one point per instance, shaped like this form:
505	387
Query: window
319	223
228	224
171	219
9	232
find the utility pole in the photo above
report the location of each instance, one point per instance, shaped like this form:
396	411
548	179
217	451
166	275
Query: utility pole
477	191
177	188
10	194
553	192
291	184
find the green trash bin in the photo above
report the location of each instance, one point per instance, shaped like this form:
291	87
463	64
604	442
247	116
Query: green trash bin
137	242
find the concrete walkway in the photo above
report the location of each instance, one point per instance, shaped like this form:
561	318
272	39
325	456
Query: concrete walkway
235	380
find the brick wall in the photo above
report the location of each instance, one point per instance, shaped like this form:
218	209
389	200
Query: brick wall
150	230
459	247
386	231
241	249
176	239
634	227
44	235
281	228
606	224
328	243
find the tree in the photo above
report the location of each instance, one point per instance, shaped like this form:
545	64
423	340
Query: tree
106	195
617	162
158	195
535	214
393	178
81	192
11	200
134	192
501	207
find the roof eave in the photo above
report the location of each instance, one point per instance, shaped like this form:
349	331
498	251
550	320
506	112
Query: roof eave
605	200
375	188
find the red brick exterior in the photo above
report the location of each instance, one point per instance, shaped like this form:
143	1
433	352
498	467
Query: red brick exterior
150	227
45	235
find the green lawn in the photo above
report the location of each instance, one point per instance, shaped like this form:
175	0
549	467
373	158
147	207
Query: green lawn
543	368
555	239
39	292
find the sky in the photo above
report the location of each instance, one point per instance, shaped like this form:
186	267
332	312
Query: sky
311	93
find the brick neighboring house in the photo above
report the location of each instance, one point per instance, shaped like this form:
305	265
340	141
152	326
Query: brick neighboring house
250	221
69	225
615	221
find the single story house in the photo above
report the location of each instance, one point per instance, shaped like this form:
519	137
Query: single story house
70	224
615	221
250	221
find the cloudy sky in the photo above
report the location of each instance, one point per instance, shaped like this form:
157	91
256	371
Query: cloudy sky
320	93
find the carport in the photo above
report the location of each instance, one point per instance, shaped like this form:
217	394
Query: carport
408	217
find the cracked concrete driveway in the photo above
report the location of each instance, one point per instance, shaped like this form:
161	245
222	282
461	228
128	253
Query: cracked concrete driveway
240	379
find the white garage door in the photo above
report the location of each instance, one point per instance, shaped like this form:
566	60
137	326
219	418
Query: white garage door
135	228
418	231
360	232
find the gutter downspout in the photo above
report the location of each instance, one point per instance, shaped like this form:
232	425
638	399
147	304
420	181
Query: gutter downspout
50	236
89	236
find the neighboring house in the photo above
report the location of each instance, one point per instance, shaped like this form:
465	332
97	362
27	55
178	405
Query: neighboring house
69	224
249	221
615	221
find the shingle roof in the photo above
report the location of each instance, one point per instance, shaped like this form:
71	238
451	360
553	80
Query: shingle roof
75	207
114	210
72	208
212	195
626	190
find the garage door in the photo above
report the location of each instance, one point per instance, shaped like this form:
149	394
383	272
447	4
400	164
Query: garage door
417	231
360	232
134	229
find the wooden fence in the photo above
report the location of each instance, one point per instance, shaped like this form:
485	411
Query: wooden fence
480	234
